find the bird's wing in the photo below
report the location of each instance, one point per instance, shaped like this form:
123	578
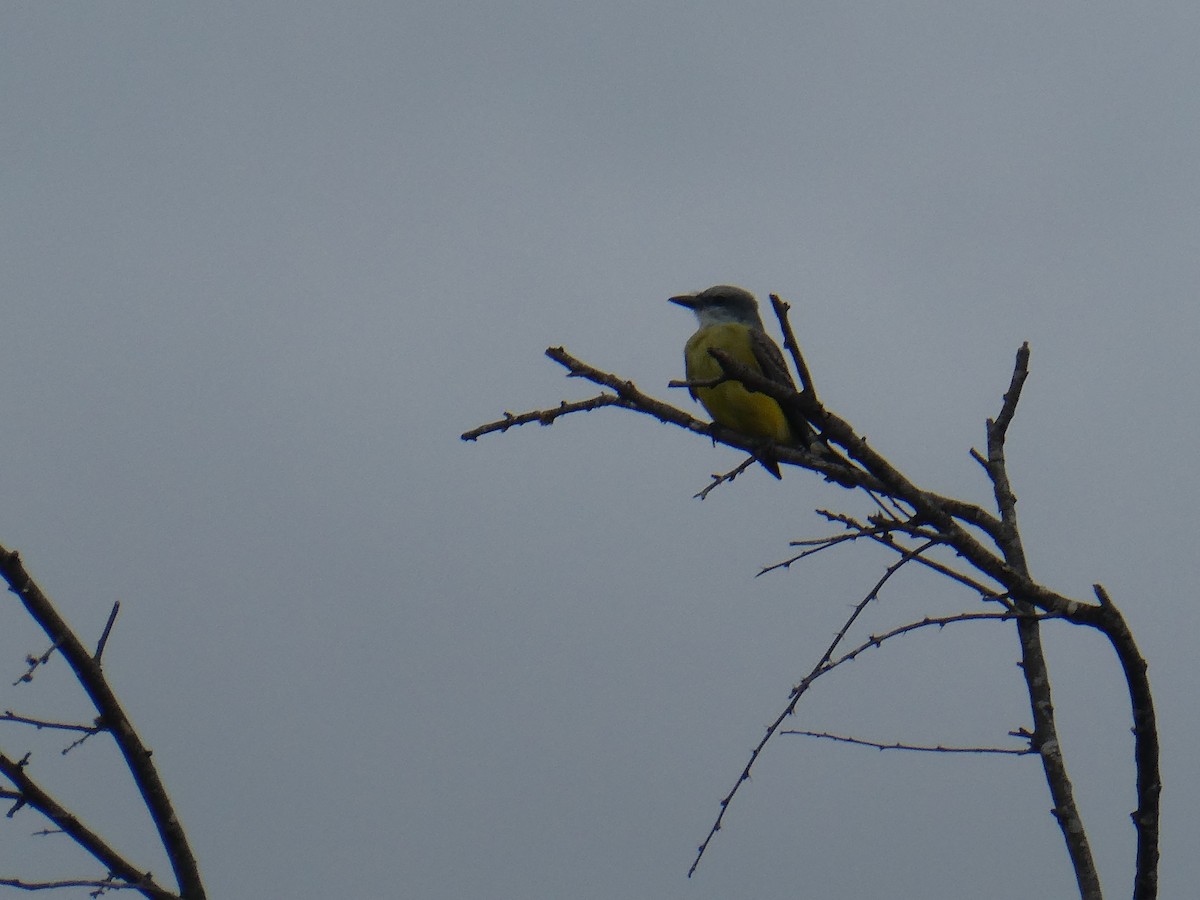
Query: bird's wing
770	360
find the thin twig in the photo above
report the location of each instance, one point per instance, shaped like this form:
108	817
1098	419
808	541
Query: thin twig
542	416
921	748
718	478
814	545
939	622
102	886
9	716
33	662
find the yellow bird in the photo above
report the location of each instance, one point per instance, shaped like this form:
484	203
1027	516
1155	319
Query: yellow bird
729	321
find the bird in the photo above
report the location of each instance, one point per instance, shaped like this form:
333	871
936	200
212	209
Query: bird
729	321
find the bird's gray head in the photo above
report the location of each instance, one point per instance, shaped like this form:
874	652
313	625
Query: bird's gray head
722	303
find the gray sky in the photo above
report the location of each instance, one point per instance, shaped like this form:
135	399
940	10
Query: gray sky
263	264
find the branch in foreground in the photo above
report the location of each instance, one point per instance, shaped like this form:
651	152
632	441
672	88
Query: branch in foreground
88	672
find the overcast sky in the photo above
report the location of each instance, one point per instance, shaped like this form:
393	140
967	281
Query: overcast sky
263	263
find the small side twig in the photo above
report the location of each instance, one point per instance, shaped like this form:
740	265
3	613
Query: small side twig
812	546
108	626
920	748
719	478
9	716
33	662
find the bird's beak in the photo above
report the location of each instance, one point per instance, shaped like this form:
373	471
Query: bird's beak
686	300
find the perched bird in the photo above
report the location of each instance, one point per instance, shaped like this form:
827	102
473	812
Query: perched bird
729	321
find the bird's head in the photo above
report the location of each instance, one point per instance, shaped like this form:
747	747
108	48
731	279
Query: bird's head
722	303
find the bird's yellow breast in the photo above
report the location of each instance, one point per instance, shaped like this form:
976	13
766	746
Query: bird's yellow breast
730	404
